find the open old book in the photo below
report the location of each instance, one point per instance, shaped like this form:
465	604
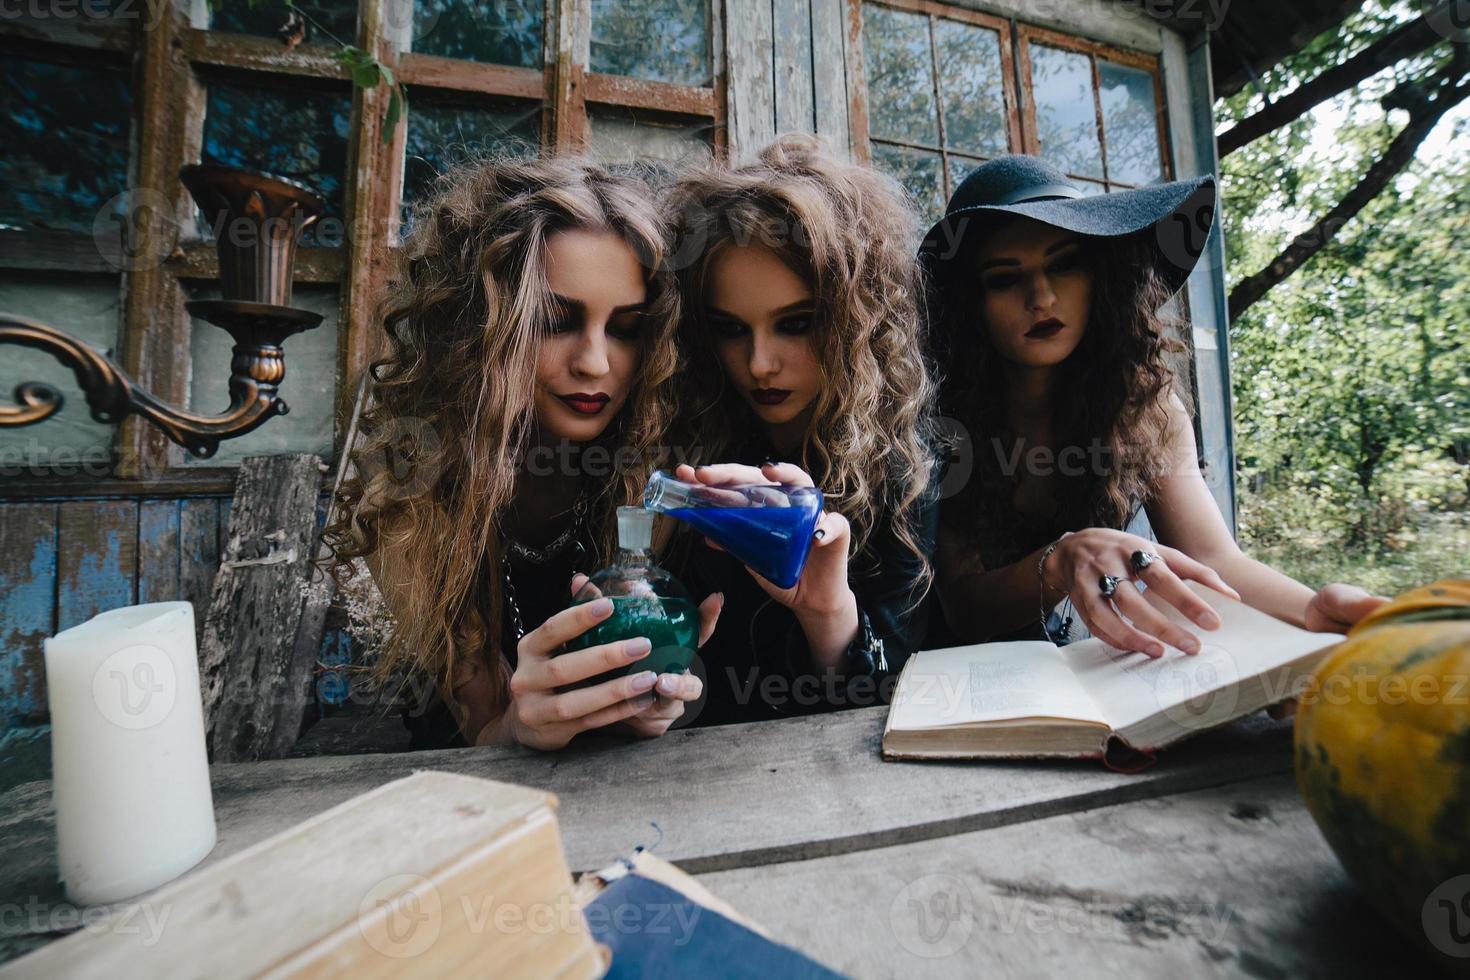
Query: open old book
1036	699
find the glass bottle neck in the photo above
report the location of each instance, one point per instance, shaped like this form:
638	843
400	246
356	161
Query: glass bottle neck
636	557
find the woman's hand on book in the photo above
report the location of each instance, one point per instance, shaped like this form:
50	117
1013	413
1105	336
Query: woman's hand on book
1337	608
1080	561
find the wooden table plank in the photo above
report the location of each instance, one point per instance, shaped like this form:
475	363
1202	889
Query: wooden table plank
721	797
1228	881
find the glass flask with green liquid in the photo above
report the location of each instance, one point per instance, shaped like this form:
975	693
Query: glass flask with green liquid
647	601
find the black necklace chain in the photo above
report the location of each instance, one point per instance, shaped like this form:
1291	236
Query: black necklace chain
539	556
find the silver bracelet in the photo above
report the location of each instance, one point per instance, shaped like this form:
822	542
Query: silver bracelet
1041	583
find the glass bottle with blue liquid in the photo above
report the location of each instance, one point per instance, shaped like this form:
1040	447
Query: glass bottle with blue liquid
767	527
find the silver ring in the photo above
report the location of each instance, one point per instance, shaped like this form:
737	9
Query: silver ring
1108	584
1142	559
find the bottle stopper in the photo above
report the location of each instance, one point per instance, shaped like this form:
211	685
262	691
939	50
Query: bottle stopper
635	528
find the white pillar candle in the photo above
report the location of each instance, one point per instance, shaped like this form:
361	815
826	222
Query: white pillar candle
129	771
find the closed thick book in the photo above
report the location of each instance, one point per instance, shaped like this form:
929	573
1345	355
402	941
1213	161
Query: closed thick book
1035	699
433	875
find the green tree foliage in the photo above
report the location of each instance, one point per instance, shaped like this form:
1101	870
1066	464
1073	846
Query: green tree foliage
1352	376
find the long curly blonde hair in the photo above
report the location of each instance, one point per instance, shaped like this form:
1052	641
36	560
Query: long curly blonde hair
848	231
452	409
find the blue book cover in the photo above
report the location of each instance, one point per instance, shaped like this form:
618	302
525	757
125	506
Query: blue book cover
656	932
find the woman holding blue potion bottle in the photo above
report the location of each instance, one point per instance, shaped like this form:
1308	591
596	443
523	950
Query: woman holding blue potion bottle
529	341
804	365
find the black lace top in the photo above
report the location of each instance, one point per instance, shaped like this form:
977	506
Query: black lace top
540	591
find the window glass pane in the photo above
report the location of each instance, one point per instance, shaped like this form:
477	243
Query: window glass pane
1130	122
297	134
440	135
1090	188
972	85
620	137
90	309
502	32
326	21
665	40
900	75
65	137
1066	121
309	388
959	169
918	171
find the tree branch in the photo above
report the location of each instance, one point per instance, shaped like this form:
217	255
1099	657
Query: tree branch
1436	96
1402	42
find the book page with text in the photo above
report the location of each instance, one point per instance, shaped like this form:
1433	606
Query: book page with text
988	682
1129	687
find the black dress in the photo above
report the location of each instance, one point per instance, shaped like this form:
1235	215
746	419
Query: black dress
757	664
540	591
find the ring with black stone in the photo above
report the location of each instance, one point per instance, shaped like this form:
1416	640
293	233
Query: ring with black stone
1142	559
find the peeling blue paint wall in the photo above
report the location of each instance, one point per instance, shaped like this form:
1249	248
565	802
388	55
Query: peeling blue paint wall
63	562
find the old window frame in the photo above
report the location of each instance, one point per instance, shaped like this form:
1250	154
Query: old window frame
1017	38
936	11
1027	34
170	63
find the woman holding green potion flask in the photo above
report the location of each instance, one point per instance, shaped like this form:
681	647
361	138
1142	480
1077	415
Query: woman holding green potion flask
529	342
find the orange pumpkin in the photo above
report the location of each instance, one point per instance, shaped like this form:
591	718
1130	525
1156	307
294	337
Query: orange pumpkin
1383	762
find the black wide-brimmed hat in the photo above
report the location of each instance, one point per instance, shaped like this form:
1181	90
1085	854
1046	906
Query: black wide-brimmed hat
1172	219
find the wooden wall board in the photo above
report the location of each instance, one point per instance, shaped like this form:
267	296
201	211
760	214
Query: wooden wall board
199	529
156	325
27	607
750	92
829	73
263	628
158	550
97	559
791	22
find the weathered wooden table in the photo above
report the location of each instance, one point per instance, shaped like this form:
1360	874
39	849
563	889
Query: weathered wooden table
1205	864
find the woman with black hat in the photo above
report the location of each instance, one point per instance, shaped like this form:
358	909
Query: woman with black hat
1058	366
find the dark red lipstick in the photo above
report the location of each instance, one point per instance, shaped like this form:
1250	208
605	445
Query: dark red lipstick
770	396
585	404
1046	329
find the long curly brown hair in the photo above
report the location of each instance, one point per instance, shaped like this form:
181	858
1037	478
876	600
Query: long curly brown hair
849	233
452	408
1111	392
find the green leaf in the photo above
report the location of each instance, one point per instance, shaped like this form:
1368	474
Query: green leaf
364	68
397	102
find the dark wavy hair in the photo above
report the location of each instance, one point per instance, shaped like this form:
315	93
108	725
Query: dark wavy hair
1111	393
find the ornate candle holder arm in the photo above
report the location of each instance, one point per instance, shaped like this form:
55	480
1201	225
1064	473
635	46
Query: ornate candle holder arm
257	219
256	370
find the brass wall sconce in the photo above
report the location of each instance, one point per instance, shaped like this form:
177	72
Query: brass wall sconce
258	218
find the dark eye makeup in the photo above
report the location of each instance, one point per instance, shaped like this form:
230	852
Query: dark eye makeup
793	325
796	324
627	326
